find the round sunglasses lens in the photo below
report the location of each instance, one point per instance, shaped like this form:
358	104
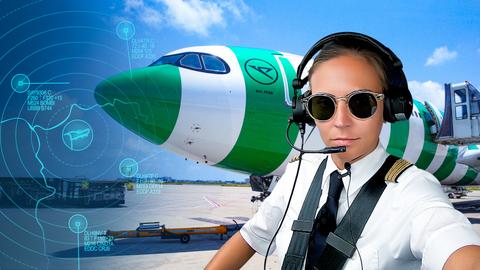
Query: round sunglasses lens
321	107
362	105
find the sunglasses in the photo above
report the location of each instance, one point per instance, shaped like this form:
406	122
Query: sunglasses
361	103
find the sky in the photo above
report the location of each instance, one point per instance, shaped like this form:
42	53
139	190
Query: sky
72	45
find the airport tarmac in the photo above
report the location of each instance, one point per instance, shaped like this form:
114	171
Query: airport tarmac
470	206
173	205
233	201
213	205
202	206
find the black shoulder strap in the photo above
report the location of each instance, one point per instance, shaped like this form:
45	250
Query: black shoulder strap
303	226
341	244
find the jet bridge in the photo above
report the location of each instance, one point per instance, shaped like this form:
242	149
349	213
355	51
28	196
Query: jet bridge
461	120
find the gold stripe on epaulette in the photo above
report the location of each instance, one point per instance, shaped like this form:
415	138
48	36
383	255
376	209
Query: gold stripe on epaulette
396	170
295	158
399	167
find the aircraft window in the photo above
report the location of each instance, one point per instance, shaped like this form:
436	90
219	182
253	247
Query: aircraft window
461	112
212	63
167	59
474	108
191	61
460	96
474	102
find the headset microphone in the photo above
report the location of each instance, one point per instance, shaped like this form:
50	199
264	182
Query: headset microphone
347	167
326	150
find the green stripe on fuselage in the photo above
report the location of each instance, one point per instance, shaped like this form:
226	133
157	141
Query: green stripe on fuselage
448	164
261	146
429	147
398	138
468	178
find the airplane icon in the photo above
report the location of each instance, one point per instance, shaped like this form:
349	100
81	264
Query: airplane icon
75	135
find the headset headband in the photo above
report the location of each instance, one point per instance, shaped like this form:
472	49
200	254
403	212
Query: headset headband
387	54
399	102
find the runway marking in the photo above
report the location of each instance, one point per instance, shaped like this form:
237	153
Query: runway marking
211	202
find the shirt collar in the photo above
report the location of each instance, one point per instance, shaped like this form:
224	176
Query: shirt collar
361	170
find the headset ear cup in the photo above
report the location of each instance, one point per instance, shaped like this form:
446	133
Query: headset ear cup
398	106
300	114
307	118
387	110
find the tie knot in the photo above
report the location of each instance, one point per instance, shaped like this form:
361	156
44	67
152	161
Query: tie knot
336	185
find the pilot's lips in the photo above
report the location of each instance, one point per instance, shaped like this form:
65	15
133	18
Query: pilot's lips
344	141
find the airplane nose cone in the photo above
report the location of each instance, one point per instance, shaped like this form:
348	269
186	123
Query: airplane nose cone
146	101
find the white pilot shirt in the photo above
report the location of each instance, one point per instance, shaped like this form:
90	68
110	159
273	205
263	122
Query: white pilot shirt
413	225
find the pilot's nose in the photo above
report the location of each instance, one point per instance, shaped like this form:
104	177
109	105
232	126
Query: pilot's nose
342	117
146	100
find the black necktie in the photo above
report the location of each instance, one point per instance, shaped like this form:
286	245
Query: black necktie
325	222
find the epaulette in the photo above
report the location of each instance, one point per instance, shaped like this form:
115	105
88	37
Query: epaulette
295	158
396	170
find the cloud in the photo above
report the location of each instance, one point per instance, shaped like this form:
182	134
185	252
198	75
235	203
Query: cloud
192	16
152	17
237	8
430	91
440	55
148	15
133	4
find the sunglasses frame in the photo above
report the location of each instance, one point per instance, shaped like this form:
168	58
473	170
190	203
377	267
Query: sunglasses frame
346	98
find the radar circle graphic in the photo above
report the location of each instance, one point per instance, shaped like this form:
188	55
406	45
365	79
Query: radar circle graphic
77	223
20	83
125	30
77	135
128	167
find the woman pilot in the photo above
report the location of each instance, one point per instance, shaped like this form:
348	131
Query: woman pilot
356	84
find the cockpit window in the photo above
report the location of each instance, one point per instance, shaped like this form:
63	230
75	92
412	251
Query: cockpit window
191	61
212	63
167	59
202	62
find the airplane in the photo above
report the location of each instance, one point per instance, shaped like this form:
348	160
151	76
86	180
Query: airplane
228	107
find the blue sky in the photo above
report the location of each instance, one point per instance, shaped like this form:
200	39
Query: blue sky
75	42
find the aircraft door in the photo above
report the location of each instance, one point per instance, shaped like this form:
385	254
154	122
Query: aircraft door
461	123
474	110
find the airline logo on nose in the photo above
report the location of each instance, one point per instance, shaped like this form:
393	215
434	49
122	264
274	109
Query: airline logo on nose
261	71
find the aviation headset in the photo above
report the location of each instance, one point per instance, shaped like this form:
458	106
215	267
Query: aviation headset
398	103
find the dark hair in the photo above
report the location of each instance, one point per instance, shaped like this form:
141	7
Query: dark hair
333	49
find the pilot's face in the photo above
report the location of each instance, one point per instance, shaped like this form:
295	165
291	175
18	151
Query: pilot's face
340	76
